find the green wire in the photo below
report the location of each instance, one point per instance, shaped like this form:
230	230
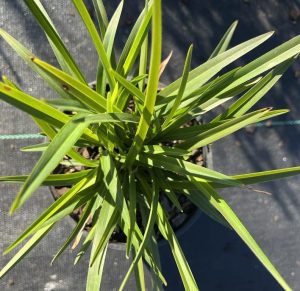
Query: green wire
20	136
36	135
278	123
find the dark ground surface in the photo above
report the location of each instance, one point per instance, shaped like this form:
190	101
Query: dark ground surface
218	258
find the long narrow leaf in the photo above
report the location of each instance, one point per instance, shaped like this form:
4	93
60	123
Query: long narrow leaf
245	179
222	130
51	133
163	183
147	233
132	211
152	246
135	41
51	180
59	146
114	190
25	249
83	12
181	262
95	271
105	224
63	55
264	176
262	64
38	109
109	217
111	208
205	205
139	274
204	72
164	150
219	203
144	55
82	92
87	242
182	86
168	233
130	87
186	133
27	56
108	43
106	117
101	16
185	168
85	215
78	190
250	98
149	103
32	106
225	41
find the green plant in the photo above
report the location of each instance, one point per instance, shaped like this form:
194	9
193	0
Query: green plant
135	163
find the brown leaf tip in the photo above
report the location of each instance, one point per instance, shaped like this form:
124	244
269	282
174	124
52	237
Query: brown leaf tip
32	58
7	88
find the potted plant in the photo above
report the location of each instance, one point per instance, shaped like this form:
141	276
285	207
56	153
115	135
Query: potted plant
140	135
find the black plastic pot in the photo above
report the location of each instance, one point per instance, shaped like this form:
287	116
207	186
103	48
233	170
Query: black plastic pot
116	263
208	163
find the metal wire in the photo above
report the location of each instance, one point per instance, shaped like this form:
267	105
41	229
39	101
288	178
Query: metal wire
259	124
278	123
20	136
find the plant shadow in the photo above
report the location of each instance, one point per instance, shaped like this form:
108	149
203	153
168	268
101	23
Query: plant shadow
219	259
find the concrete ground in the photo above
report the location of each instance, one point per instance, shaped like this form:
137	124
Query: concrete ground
218	258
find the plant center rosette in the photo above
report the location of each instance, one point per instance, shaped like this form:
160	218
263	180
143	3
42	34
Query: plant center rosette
180	214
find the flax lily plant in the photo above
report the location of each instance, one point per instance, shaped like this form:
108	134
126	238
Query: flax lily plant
135	164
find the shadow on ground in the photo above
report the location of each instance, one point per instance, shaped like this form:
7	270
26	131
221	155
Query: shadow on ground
220	261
